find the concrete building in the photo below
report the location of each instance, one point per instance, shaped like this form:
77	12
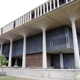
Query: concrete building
47	36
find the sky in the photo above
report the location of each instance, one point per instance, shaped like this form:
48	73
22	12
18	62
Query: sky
12	9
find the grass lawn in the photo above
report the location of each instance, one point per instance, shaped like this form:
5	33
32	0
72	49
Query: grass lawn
12	78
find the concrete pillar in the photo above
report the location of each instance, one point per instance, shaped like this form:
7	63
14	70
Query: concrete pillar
16	61
61	61
38	11
50	5
35	13
30	16
54	3
57	3
1	48
44	50
24	52
43	8
10	54
47	6
66	1
75	43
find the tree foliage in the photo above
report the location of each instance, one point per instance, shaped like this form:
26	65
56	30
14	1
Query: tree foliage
3	60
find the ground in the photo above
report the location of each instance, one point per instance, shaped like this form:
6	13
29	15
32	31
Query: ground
12	78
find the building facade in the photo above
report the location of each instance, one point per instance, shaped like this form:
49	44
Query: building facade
47	36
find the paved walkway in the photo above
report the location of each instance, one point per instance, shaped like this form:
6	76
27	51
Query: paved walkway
35	78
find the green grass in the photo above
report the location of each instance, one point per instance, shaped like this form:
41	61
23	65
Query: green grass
12	78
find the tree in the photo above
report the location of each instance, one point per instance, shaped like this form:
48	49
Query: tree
3	60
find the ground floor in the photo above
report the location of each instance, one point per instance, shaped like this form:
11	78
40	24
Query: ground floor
56	61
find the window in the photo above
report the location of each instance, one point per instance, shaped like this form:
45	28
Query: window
45	8
48	6
14	24
52	4
42	9
62	2
33	14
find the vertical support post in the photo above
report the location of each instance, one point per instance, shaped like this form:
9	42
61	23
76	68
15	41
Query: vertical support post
30	16
24	52
10	54
75	43
43	8
1	48
35	13
57	3
16	61
50	5
47	6
44	50
66	1
54	3
61	61
38	11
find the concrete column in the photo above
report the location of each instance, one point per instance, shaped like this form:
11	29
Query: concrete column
26	17
24	52
10	54
21	20
66	1
47	6
75	43
35	13
30	16
43	8
61	61
38	11
50	5
57	3
54	3
1	48
23	17
44	50
16	61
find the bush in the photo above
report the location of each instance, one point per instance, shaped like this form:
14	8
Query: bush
3	60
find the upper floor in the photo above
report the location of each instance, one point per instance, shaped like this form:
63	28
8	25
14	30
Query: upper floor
41	10
57	40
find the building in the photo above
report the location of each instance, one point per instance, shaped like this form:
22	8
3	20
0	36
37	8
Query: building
47	36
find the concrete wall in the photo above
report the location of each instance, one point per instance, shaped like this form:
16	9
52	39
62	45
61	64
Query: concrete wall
52	74
7	27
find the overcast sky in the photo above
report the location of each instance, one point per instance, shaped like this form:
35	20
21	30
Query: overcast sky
12	9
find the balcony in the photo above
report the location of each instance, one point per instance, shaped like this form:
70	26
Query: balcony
35	13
